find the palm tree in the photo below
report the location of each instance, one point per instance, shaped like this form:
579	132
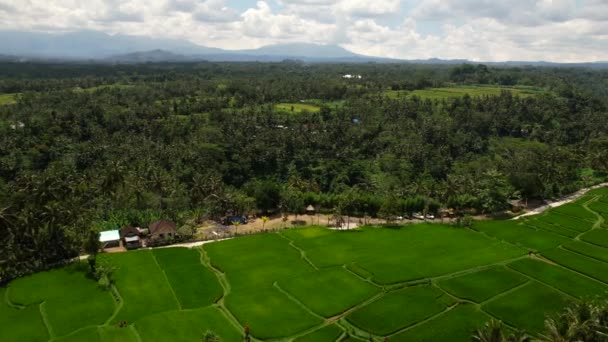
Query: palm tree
493	331
264	220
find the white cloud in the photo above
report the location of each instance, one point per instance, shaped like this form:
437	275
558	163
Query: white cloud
559	30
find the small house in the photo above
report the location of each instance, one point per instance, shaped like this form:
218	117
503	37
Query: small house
162	229
310	210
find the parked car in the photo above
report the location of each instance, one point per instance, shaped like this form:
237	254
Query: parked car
430	217
418	216
232	219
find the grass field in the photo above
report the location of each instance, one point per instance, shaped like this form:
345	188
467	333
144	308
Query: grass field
297	107
194	285
527	306
6	99
329	292
328	333
560	278
459	91
482	285
455	325
414	283
387	315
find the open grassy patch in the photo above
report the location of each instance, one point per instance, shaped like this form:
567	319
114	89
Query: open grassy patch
400	309
527	306
270	313
460	91
516	233
591	267
588	249
456	325
329	292
329	333
72	300
575	210
560	278
193	284
257	261
597	237
187	325
482	285
412	252
297	107
20	324
538	223
6	99
142	285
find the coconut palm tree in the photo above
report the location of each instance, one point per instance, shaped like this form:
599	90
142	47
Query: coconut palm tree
493	331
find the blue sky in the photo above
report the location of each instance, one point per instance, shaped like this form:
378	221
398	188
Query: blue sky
483	30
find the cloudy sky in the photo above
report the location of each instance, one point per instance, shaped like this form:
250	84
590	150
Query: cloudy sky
482	30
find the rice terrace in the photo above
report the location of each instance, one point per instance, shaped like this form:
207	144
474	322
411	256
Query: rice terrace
419	282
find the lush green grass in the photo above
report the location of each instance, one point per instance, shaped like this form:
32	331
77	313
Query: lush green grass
517	233
567	222
253	261
21	324
6	99
597	237
459	91
575	210
193	284
329	333
142	285
456	325
188	325
270	313
397	255
297	107
330	291
400	309
482	285
71	299
539	223
560	278
591	267
102	334
588	249
527	306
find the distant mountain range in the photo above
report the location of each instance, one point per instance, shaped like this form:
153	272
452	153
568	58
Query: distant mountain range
100	47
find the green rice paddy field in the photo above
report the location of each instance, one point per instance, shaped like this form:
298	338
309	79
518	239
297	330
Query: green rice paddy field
459	91
423	282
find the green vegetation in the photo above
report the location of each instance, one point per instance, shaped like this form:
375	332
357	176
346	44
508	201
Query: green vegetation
6	99
482	285
588	249
560	278
526	307
297	107
69	298
142	285
400	309
455	325
597	237
329	292
260	308
328	333
194	285
25	323
591	267
188	325
459	91
517	233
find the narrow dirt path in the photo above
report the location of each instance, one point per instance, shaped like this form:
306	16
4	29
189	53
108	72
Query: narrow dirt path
561	201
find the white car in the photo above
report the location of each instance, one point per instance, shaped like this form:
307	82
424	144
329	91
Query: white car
430	217
418	216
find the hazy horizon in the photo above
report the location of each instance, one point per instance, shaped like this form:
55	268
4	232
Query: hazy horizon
477	30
